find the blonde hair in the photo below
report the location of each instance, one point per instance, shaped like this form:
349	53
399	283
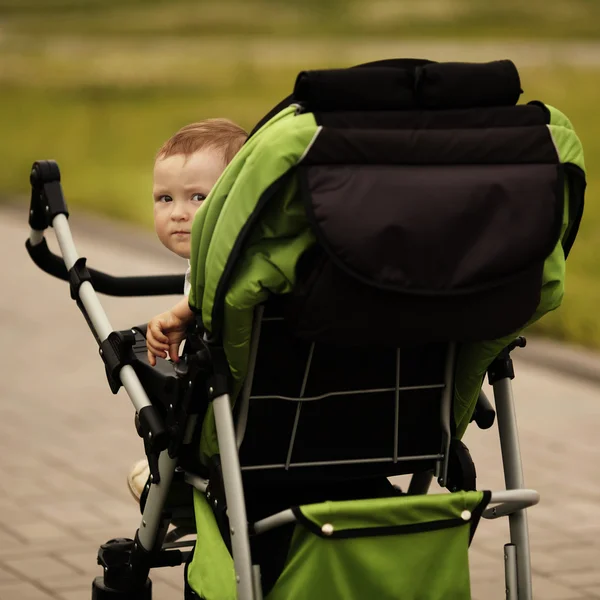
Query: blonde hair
222	135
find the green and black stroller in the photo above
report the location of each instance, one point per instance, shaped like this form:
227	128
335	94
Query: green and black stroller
374	250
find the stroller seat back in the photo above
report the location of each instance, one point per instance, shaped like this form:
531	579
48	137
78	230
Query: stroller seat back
335	412
396	206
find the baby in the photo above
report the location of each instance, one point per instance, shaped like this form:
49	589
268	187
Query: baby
186	168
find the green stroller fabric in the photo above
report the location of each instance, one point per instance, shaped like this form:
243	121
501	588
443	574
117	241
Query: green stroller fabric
256	195
412	547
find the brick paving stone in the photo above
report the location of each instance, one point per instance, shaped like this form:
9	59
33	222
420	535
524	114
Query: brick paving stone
23	590
72	513
162	590
66	444
40	530
41	569
7	576
546	589
82	562
585	579
562	560
80	593
172	577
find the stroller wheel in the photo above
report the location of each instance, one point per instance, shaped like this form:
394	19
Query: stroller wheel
100	591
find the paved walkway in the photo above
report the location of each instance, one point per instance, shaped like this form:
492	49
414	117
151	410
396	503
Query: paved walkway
66	443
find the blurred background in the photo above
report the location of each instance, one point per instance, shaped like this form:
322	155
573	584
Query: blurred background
98	85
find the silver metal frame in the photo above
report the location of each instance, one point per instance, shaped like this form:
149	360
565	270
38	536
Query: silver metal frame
234	495
152	528
152	525
445	416
512	502
92	305
513	477
244	400
510	572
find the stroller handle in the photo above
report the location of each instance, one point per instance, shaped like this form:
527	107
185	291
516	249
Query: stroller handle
149	285
49	209
48	202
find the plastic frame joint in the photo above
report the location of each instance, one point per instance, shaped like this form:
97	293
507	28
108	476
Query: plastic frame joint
116	352
47	199
78	274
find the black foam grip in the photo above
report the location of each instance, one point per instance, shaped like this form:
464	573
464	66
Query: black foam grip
151	285
484	414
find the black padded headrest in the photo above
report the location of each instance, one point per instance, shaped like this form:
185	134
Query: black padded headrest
425	86
404	63
380	88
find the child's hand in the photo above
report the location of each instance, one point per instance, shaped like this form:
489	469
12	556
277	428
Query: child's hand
166	332
164	336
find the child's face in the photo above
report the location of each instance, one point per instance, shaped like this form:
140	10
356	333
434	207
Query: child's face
180	186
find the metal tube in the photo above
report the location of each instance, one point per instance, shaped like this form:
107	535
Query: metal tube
445	416
277	520
407	388
234	494
510	501
288	459
157	496
504	496
176	534
350	461
36	237
513	477
510	571
258	595
196	481
134	388
397	405
87	294
420	483
65	240
95	312
244	401
518	495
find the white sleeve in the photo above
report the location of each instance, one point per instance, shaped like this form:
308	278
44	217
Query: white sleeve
187	286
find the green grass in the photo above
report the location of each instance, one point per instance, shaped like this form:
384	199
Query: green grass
577	94
98	85
556	19
104	139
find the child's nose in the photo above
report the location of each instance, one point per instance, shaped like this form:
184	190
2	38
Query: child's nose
179	213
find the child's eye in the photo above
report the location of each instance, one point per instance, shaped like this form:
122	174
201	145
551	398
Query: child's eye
165	198
198	197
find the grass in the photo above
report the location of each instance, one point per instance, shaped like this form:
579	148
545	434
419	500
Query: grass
75	88
576	93
554	19
104	139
